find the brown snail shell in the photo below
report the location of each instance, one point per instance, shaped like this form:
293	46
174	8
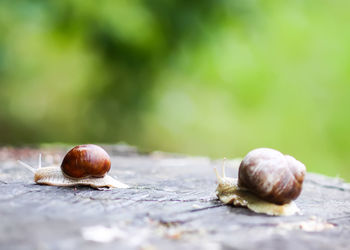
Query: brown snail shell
271	175
84	165
86	161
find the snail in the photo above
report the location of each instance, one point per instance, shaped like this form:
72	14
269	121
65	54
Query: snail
83	165
268	182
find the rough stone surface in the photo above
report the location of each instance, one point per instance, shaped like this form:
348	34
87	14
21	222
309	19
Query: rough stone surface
171	204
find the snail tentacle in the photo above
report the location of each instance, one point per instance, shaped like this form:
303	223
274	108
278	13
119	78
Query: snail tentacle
223	168
31	169
39	162
218	177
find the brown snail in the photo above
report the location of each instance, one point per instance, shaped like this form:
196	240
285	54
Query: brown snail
85	165
268	182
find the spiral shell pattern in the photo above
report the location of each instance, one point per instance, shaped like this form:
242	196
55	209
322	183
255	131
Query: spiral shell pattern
271	175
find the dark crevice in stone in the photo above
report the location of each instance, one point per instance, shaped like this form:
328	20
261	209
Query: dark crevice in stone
328	186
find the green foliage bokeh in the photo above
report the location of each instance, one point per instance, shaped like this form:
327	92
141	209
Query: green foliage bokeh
210	77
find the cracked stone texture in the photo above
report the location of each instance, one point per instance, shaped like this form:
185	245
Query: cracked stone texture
170	204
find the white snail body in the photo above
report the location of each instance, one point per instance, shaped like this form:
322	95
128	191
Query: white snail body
88	163
268	182
53	176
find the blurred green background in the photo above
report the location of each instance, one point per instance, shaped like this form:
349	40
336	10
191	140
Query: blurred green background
209	77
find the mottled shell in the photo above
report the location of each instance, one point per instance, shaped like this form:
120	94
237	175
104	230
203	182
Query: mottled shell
271	175
85	161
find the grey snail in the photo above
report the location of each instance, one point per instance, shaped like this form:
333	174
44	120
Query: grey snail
268	182
83	165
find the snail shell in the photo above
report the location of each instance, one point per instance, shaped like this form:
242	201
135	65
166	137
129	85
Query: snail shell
271	175
84	165
85	161
268	182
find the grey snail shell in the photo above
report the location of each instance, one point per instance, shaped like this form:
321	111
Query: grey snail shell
83	165
268	182
271	175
